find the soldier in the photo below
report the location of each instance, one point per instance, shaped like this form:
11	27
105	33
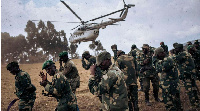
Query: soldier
70	71
165	47
133	51
111	86
91	60
114	49
25	90
187	73
127	64
148	73
196	45
59	88
168	73
196	56
189	43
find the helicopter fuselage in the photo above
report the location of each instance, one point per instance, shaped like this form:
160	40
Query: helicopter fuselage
84	36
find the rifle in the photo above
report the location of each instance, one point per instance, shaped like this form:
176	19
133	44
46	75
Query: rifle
11	103
61	67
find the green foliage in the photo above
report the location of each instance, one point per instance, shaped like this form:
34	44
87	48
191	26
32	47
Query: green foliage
40	36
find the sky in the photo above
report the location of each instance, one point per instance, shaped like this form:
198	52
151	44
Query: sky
149	22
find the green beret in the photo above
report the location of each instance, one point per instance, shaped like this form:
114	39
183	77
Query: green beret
190	47
102	56
145	46
12	64
158	50
63	54
47	64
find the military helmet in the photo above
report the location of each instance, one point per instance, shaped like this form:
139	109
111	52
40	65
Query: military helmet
190	47
158	50
63	54
12	64
102	56
47	64
145	46
120	52
133	46
174	44
196	42
86	53
179	46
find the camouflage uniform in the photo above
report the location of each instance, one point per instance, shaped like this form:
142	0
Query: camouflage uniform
149	73
25	90
127	65
187	74
112	87
60	89
169	80
165	47
135	53
71	73
196	57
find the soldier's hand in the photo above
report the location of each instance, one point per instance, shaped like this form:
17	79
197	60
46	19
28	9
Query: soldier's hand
92	69
43	83
44	77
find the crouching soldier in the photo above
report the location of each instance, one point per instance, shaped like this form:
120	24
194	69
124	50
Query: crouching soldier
111	86
58	88
70	71
25	90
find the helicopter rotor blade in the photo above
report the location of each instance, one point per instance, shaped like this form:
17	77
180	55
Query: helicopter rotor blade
72	11
105	15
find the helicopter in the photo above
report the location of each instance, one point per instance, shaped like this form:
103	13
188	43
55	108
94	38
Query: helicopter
90	31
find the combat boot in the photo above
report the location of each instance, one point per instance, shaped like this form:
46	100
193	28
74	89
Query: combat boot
147	99
135	104
156	97
130	106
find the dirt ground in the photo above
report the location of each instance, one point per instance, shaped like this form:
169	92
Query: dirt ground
86	101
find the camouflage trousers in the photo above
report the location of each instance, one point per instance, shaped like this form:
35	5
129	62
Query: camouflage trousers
191	90
67	103
146	84
133	97
171	96
26	104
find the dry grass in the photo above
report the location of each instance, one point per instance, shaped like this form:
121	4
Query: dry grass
86	101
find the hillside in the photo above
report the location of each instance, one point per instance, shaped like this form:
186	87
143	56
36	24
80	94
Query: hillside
86	101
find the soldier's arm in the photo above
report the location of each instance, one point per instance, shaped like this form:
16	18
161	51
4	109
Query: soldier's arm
25	85
56	87
86	66
99	88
